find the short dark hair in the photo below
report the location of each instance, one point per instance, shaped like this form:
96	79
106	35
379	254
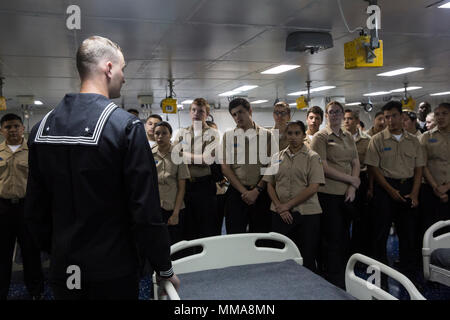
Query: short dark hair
92	50
10	117
297	123
315	109
284	105
156	116
444	105
362	124
426	104
393	105
379	113
239	102
164	124
336	103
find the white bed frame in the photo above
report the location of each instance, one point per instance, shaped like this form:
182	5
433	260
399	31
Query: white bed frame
430	271
365	290
226	251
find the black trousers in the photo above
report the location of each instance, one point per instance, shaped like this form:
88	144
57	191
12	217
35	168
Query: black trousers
125	288
334	237
177	232
201	209
360	236
304	231
12	227
385	211
432	210
239	215
221	200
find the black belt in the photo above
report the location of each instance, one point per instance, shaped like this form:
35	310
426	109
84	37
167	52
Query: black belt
12	201
201	179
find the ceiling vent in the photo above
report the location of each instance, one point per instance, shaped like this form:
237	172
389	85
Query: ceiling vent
309	41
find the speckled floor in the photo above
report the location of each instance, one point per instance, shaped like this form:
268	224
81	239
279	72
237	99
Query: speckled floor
431	291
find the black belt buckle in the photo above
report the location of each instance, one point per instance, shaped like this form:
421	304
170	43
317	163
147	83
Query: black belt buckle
15	200
403	181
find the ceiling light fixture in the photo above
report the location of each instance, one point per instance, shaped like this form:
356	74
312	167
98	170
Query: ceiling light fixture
353	104
280	69
440	93
445	6
187	102
408	89
323	88
379	93
399	71
38	103
259	101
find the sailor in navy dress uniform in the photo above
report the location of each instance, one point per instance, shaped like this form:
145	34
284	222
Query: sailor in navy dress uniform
92	195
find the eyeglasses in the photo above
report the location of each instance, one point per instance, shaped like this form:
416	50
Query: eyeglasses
280	113
334	113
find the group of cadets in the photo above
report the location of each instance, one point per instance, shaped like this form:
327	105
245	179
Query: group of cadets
334	191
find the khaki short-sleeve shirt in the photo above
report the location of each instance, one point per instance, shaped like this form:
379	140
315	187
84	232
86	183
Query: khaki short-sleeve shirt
396	159
13	171
362	142
339	152
436	148
295	173
168	175
206	137
248	172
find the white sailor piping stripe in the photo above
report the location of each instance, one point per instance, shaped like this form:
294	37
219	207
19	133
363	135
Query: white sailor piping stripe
80	139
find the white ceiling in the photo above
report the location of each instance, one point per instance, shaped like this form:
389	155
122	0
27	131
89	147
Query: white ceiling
212	46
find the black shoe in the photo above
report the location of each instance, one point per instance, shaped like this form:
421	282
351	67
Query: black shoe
37	297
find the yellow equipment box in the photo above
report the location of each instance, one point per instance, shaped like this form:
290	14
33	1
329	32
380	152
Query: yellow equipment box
355	53
169	105
301	102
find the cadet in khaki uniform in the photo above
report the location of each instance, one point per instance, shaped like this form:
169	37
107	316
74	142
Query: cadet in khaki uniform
200	197
281	115
293	190
247	199
171	182
379	124
314	118
410	123
13	183
436	146
360	241
339	155
395	159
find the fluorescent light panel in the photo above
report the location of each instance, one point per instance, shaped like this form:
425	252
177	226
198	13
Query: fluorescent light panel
440	93
280	69
187	101
445	6
259	101
409	89
299	93
38	102
353	104
244	88
379	93
399	71
237	90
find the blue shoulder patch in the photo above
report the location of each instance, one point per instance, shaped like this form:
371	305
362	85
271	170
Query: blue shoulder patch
1	158
432	140
387	149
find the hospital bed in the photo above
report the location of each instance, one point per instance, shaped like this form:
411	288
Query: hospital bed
239	267
235	267
363	289
436	254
